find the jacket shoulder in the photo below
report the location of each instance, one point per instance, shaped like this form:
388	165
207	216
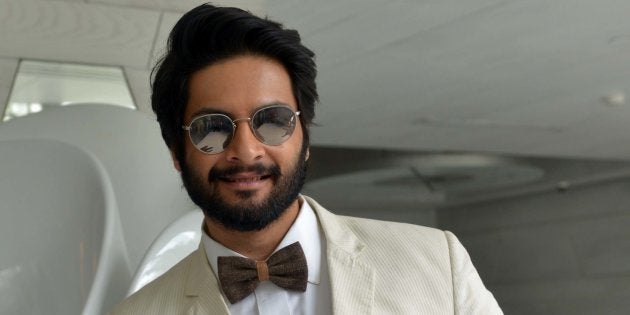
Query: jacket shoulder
397	236
162	295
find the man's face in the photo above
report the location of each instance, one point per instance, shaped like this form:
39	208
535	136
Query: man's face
250	184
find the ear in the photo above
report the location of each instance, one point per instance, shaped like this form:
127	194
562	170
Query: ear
175	161
308	153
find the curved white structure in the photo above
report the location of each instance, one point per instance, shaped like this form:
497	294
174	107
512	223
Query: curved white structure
62	250
148	190
144	191
174	243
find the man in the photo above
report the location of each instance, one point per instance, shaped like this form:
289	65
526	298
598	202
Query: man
235	96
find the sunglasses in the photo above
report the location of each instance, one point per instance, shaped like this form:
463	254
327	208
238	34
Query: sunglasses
212	133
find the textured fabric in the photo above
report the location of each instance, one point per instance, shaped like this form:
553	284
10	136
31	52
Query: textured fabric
375	267
240	276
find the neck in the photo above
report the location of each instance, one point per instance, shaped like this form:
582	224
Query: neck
256	245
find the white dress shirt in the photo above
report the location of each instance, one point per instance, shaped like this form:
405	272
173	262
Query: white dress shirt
271	299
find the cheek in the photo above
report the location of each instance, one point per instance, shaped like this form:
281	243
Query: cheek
291	155
197	162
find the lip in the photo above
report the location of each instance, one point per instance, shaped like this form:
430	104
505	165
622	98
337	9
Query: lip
247	181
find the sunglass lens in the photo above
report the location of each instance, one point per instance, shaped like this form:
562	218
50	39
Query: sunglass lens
211	133
274	125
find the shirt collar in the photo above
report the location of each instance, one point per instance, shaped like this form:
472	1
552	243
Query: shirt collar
305	230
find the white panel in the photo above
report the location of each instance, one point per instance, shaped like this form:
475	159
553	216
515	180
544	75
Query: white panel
140	89
139	80
167	22
7	74
67	31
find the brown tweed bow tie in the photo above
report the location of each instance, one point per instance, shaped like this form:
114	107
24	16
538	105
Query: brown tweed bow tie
240	276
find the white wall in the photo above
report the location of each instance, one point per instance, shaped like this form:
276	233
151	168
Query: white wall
553	252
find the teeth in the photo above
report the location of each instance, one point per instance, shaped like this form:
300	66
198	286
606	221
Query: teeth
250	179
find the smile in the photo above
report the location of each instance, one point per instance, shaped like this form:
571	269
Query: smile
245	180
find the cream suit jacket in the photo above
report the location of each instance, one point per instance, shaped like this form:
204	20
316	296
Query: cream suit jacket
375	267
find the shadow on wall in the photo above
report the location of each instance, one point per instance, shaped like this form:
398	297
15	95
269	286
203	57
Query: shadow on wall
552	252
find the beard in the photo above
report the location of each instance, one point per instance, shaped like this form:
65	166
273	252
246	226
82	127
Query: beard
246	215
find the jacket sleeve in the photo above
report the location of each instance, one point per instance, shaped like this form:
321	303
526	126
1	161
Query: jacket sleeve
470	296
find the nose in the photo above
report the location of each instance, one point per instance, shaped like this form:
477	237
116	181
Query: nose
244	147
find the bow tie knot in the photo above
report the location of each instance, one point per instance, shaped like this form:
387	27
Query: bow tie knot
240	276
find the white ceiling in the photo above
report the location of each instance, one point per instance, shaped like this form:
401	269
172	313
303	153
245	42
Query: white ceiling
517	77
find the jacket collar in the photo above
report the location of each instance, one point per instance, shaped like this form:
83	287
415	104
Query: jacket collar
202	286
351	278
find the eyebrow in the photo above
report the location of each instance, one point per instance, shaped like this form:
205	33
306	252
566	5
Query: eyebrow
211	110
208	110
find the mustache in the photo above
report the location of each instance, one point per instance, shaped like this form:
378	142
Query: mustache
216	174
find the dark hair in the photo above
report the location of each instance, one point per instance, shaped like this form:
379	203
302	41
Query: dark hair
208	34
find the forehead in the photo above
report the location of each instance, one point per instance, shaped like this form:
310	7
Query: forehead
238	86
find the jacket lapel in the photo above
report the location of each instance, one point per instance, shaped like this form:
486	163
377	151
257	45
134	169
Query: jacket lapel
351	278
202	287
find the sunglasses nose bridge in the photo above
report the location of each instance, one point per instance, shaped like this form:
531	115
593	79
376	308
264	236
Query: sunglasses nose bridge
240	119
248	119
244	145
